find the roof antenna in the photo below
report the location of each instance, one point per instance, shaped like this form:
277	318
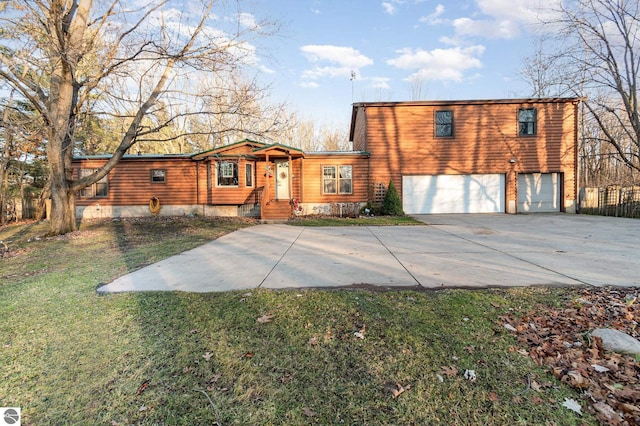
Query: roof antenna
353	77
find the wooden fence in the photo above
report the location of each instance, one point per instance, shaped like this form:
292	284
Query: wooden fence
619	201
15	209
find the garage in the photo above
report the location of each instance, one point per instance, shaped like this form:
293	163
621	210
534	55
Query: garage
538	192
473	193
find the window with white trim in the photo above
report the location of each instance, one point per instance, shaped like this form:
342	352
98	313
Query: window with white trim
158	175
227	173
337	179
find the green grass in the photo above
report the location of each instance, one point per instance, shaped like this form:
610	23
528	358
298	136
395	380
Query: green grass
70	356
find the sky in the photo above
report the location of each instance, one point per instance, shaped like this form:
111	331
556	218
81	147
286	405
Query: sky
332	53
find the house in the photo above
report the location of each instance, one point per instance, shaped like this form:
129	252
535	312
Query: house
474	156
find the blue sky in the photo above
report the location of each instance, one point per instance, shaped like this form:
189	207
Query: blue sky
454	49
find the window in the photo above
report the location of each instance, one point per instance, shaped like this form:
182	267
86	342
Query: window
337	180
248	175
444	124
158	175
100	189
227	172
527	122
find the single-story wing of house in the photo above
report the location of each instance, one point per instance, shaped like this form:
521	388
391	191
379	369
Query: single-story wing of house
473	156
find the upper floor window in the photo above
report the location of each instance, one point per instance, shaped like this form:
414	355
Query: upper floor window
158	175
337	180
227	172
527	118
444	123
100	189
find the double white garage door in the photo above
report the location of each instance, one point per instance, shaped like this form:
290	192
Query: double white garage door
478	193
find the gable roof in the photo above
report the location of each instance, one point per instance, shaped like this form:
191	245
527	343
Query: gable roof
278	150
228	149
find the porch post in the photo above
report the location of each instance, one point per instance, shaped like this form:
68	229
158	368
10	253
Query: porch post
289	177
266	182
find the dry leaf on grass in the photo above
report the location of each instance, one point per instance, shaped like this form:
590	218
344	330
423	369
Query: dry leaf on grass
307	412
450	371
572	405
265	318
400	390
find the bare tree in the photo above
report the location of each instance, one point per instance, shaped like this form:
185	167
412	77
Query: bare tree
71	59
596	55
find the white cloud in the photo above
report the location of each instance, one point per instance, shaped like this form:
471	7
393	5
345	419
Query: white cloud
380	82
247	20
505	19
345	56
439	64
333	61
389	8
505	29
435	17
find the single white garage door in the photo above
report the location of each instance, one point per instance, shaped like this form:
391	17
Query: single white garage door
480	193
538	193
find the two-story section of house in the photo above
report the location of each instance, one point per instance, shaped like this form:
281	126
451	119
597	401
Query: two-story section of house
473	156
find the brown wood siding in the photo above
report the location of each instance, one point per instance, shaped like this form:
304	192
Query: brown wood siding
359	129
232	195
130	182
312	172
401	140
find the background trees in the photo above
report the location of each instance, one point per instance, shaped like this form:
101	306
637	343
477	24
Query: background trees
591	50
105	76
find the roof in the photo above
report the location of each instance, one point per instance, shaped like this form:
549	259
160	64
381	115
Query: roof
134	156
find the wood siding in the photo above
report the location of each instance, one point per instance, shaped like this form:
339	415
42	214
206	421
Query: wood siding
313	185
225	195
130	182
400	138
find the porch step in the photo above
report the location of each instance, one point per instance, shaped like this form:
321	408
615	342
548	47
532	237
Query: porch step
276	209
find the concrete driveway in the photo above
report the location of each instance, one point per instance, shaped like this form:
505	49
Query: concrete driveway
448	251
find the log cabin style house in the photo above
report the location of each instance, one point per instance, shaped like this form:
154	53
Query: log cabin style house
474	156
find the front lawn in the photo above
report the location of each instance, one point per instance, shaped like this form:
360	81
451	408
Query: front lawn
264	357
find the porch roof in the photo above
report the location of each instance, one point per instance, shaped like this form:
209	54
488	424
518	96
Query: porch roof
278	150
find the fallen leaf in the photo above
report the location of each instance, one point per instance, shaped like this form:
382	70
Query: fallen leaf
247	355
510	327
143	387
607	413
600	368
450	371
572	405
493	397
307	412
400	390
265	318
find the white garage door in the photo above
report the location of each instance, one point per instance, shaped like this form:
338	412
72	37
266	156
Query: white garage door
538	192
481	193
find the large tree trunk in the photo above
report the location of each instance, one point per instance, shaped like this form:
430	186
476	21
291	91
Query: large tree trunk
63	207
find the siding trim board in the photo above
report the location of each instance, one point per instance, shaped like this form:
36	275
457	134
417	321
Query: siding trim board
391	141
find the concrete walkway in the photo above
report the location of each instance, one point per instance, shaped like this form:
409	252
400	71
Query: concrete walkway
448	251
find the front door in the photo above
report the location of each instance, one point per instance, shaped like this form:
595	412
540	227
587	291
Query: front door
282	180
